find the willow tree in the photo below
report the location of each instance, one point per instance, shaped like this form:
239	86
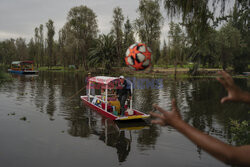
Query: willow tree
197	17
116	30
82	24
50	42
229	41
148	24
240	20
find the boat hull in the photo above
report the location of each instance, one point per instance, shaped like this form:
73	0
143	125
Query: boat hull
137	114
22	72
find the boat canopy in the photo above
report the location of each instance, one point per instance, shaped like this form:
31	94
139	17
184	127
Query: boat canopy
103	79
19	62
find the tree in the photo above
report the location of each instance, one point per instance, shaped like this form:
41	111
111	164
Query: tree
62	46
41	45
240	20
103	54
36	56
129	38
32	49
148	25
8	51
164	54
175	43
117	23
82	25
229	41
196	17
21	49
50	42
68	45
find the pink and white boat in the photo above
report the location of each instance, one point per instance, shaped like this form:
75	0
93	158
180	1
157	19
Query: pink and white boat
103	106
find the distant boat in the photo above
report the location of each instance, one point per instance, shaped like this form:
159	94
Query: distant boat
22	67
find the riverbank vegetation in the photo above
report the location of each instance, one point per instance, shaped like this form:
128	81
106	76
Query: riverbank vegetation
4	75
201	38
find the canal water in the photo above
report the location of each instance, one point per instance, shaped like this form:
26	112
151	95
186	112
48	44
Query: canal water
42	123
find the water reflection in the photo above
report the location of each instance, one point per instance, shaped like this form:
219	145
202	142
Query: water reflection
199	102
114	134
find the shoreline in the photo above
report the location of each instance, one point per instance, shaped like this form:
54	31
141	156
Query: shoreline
157	72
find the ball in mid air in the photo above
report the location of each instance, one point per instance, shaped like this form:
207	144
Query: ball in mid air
138	56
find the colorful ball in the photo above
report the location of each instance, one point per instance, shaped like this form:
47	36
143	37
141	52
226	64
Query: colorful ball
138	56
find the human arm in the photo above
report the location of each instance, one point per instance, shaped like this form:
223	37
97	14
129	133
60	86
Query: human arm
222	151
234	92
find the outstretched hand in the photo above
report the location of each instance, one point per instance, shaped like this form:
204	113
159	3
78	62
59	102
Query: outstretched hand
166	117
234	92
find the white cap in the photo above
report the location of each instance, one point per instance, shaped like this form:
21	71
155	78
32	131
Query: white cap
121	77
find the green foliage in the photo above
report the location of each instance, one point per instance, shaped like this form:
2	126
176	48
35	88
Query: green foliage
50	41
196	39
81	30
117	32
129	38
149	23
229	41
103	55
3	75
240	132
240	20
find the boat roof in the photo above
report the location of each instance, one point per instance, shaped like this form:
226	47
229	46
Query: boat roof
19	62
103	79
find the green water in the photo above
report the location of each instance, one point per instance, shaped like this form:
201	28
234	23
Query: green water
58	131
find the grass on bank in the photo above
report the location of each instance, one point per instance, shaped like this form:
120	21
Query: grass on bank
182	72
4	76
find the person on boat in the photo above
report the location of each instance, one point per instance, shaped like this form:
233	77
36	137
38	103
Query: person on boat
123	93
220	150
91	87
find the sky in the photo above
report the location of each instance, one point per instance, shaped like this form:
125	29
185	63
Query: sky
19	18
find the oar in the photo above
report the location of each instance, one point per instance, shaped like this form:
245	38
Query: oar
75	94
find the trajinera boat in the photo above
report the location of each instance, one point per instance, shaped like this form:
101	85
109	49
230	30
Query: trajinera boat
101	97
22	67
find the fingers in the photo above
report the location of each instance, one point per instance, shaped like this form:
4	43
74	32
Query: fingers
224	99
227	79
158	108
156	115
157	121
160	122
174	105
226	76
221	81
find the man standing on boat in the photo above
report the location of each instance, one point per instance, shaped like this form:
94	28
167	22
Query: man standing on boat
123	93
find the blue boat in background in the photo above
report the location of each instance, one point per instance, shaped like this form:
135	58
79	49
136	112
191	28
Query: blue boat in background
22	67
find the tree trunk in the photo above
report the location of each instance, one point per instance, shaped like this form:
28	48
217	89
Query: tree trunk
175	69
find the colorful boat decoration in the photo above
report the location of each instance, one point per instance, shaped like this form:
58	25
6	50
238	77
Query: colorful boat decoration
102	103
22	67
